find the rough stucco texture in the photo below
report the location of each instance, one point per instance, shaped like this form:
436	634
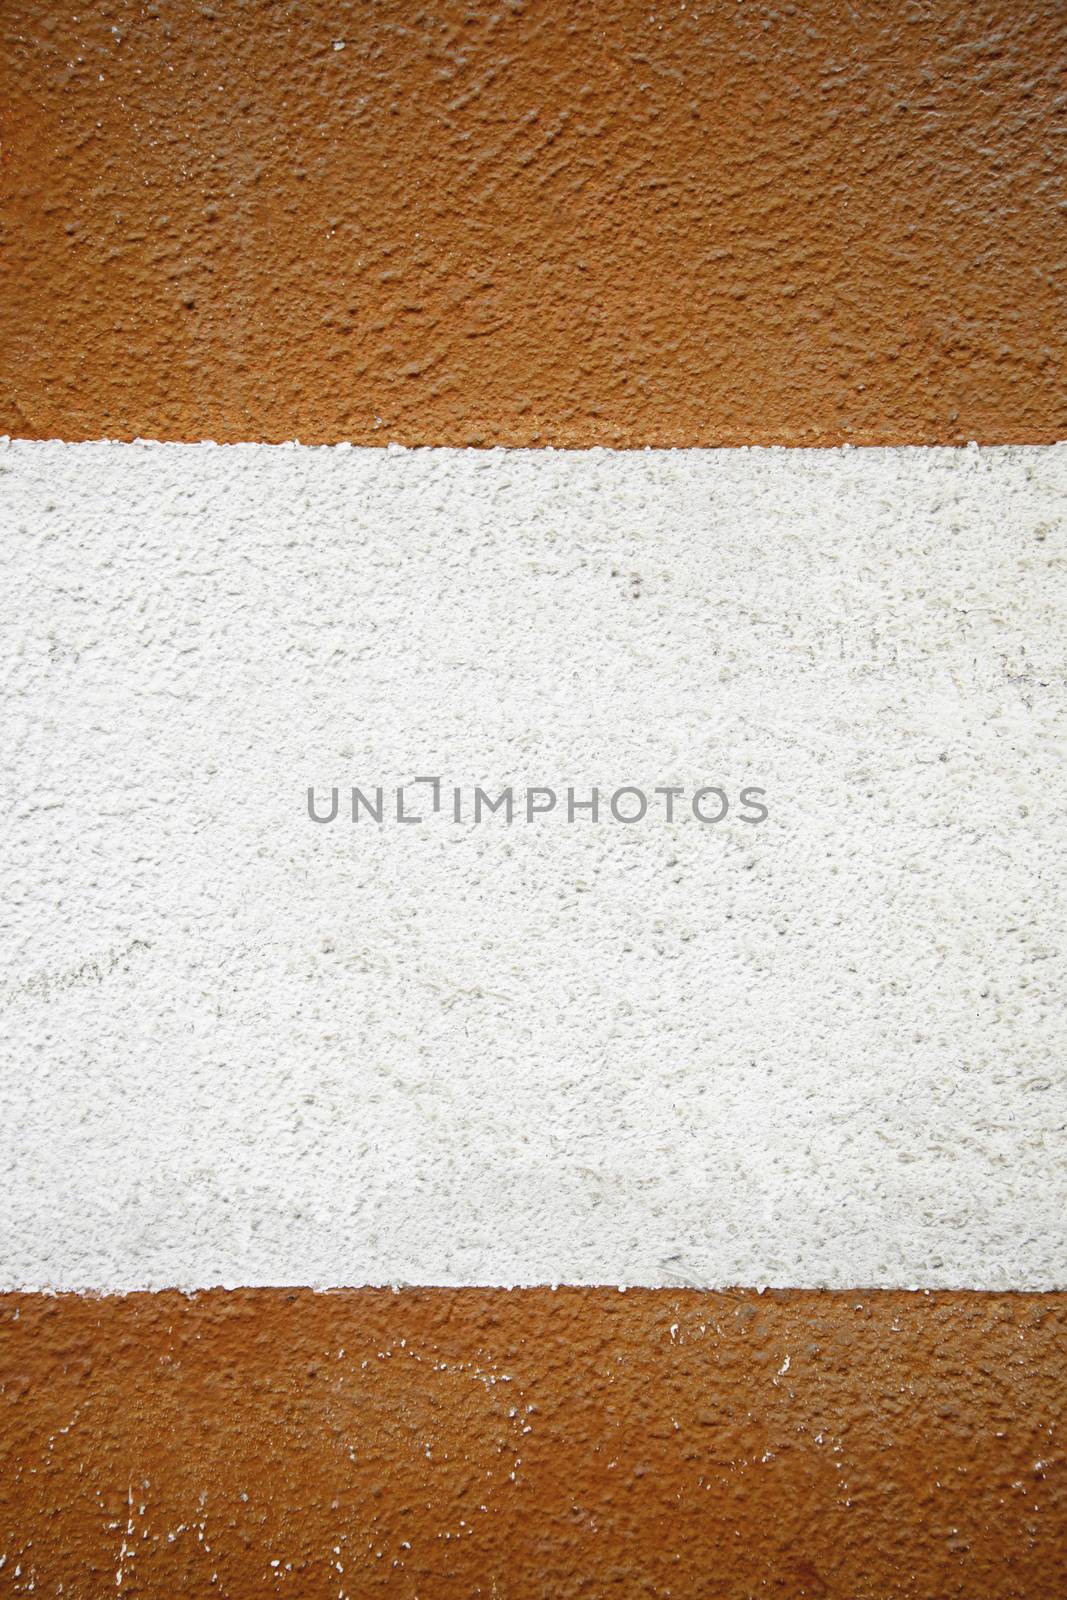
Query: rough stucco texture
823	1050
579	1443
528	224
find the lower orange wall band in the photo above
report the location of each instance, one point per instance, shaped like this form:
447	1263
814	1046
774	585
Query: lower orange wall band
614	224
471	1442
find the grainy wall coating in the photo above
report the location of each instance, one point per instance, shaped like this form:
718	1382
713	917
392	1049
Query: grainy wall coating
621	223
821	1050
575	225
534	1445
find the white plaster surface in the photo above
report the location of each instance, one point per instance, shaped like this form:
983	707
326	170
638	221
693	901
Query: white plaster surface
243	1048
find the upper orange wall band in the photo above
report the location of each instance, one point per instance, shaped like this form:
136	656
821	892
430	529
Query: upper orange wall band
621	223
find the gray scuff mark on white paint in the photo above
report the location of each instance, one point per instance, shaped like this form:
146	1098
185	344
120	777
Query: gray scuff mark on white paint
824	1051
94	969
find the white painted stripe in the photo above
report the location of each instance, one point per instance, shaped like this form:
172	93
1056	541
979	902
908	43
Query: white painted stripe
246	1048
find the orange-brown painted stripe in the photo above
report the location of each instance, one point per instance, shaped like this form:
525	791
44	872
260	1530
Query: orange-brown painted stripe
534	1443
626	224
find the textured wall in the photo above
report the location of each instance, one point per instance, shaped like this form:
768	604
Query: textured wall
610	224
526	225
537	1446
820	1049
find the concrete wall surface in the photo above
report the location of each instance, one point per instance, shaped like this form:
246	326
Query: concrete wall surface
666	399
